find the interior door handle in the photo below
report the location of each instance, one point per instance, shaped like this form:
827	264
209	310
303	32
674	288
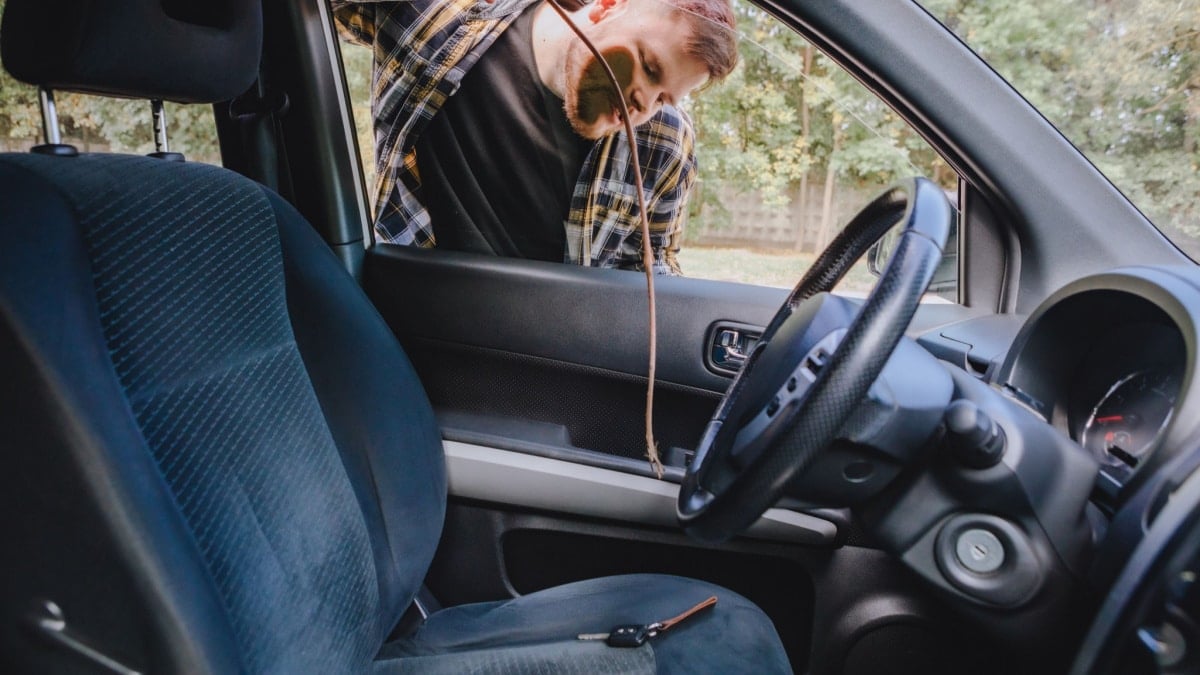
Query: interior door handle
731	340
729	346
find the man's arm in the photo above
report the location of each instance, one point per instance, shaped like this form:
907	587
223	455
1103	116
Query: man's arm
666	148
355	19
668	208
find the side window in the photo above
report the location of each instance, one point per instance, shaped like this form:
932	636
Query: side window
357	62
788	147
97	124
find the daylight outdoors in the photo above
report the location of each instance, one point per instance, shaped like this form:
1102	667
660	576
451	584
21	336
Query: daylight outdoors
1120	78
790	146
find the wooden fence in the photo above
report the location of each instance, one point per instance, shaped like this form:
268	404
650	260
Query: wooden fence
796	225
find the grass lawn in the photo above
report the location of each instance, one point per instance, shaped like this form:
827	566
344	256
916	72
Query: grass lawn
764	267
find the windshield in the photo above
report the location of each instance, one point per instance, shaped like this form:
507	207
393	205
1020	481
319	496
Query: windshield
1119	78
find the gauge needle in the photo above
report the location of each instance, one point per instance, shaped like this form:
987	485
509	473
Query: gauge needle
1110	419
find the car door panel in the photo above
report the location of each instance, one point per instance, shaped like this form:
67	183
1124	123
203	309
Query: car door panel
558	346
526	353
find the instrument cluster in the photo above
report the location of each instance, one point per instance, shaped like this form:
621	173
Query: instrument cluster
1126	394
1107	367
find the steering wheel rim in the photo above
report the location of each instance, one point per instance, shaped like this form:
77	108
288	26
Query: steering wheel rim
718	498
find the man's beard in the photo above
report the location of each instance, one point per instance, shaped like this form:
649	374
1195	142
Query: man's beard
589	100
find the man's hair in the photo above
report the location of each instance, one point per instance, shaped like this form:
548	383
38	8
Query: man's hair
714	37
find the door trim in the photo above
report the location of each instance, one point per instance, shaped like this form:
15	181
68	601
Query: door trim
523	480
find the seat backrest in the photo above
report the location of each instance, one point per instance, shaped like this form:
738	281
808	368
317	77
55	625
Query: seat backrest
216	456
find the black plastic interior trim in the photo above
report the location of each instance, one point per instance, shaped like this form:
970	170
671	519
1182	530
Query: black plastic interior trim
322	152
595	317
600	410
584	316
989	254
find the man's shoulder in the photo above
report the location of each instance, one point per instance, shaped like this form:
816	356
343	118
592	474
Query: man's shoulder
669	130
674	118
478	8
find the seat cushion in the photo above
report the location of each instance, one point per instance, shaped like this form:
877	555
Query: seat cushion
538	632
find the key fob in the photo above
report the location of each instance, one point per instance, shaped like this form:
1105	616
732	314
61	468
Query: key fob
628	636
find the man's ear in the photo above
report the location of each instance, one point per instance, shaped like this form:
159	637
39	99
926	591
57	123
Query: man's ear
602	9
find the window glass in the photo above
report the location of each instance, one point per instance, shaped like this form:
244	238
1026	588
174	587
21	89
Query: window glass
98	124
789	147
1119	78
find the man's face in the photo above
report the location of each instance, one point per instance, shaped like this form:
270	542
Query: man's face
645	50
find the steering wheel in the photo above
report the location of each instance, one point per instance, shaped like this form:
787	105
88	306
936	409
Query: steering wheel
812	367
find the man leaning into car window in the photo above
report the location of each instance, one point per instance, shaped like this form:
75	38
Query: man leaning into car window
496	130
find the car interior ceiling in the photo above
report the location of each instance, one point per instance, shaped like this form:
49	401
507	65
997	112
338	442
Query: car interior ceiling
123	565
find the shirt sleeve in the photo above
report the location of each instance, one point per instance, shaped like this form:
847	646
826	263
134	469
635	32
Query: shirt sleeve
675	176
355	21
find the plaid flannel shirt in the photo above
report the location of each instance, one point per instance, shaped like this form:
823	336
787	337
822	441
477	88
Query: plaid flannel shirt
423	48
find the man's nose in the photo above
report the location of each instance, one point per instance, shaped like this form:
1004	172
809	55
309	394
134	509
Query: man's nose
643	102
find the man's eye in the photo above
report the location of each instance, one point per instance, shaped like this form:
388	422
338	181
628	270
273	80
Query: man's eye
651	72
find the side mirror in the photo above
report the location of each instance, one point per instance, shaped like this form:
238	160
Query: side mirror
880	252
945	277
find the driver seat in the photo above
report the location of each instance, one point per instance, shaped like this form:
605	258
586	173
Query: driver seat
216	457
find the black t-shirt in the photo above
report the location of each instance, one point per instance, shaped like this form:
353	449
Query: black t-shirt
499	162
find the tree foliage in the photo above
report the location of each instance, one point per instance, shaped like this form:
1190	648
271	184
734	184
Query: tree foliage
789	117
1121	78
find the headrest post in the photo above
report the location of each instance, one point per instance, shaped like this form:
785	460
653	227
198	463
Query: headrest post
160	126
50	129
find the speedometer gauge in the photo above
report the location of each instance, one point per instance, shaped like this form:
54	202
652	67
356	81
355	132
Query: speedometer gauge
1129	418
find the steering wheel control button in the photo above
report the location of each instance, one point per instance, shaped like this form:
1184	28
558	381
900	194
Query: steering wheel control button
773	407
975	438
817	359
979	551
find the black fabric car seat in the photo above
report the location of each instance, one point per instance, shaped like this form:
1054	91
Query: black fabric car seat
216	457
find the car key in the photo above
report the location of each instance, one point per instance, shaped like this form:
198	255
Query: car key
629	635
635	635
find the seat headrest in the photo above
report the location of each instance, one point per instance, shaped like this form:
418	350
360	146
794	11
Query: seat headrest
188	51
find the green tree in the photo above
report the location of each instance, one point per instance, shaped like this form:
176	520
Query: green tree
1120	78
788	118
749	127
